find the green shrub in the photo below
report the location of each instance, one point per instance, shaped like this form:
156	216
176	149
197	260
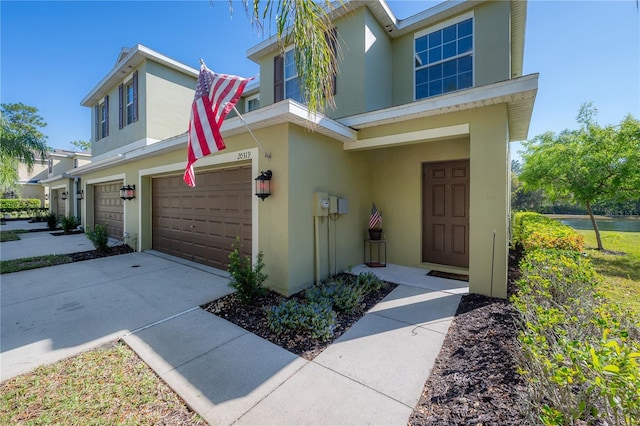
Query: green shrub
246	279
315	319
368	282
343	296
535	231
18	204
69	223
52	221
99	237
579	354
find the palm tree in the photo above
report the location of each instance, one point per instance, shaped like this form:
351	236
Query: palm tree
306	23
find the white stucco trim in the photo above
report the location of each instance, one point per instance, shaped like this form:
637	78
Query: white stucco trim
227	158
419	136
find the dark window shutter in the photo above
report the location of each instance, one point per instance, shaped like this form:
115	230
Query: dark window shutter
278	78
135	96
333	45
96	113
106	115
120	106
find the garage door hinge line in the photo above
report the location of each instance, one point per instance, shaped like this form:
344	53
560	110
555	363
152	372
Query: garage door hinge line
266	154
137	330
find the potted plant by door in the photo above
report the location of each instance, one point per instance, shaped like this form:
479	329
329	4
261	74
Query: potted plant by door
375	223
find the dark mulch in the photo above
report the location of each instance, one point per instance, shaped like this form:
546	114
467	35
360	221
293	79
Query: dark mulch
74	232
474	379
94	254
254	319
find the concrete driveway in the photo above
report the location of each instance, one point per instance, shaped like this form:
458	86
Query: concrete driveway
52	313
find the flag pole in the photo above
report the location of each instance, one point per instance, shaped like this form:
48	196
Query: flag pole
266	154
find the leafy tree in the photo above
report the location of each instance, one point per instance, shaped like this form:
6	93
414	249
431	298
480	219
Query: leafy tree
522	200
307	25
81	145
21	141
589	165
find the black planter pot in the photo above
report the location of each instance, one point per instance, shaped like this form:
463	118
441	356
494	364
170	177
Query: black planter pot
375	234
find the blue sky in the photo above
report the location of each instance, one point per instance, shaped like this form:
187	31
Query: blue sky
53	53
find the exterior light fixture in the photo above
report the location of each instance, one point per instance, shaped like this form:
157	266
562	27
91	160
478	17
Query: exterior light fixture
64	195
128	192
263	185
79	194
46	196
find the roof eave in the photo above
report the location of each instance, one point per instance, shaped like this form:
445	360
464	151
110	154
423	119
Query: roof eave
519	95
134	57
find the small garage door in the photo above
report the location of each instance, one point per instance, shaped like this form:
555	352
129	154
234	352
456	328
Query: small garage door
202	223
108	209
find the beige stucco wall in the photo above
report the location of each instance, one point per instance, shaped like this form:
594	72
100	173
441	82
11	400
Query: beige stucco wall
164	107
491	54
319	164
169	98
39	171
397	190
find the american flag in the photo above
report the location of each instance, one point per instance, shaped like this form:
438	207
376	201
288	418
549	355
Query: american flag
216	95
375	220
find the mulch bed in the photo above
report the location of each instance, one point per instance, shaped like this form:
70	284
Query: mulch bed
74	232
474	379
253	318
94	254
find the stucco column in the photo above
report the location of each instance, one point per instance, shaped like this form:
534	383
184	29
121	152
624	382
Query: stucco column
489	199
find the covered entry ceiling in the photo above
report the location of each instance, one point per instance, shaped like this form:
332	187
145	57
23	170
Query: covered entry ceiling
202	223
108	208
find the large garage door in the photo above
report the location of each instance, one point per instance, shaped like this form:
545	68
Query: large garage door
202	223
108	208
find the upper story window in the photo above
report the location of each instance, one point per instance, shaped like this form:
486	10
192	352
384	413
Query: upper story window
291	80
101	118
75	163
444	59
252	103
128	101
50	165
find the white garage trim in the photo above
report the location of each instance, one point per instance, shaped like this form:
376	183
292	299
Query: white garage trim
241	156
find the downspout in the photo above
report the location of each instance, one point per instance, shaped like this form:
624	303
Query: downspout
317	238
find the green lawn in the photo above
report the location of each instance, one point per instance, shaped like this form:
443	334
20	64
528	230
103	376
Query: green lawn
621	272
11	235
108	385
17	265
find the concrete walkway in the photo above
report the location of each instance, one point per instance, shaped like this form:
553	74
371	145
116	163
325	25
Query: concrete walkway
373	374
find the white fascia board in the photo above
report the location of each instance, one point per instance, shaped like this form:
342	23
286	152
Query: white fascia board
491	94
286	111
55	178
439	133
132	59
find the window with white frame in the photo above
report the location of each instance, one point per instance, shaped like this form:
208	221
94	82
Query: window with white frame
50	165
444	59
252	103
104	122
291	80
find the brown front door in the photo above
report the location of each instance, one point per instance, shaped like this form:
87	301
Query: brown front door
445	213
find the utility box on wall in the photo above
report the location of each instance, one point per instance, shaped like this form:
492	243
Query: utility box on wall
343	206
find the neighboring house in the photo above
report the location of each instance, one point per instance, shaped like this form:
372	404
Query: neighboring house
425	110
62	192
28	185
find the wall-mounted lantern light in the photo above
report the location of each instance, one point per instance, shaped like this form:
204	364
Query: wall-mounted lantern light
263	185
79	194
64	195
128	192
46	196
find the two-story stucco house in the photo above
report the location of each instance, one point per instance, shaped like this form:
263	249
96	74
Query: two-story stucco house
63	192
425	110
